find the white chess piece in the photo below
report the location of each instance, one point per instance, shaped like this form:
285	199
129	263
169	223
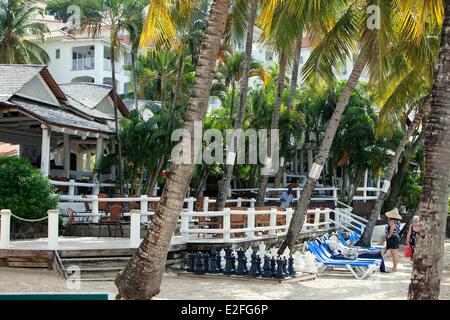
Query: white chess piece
286	252
248	255
222	258
273	252
262	250
299	262
310	263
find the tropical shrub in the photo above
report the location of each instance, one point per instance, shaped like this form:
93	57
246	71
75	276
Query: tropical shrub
24	190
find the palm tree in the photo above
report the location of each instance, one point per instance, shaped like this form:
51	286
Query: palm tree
373	44
133	24
429	251
279	35
141	278
226	181
17	30
414	63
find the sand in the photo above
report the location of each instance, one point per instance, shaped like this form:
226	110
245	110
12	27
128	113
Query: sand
379	286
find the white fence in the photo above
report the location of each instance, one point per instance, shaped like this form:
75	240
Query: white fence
193	228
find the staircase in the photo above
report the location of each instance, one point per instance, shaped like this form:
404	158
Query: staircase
99	265
92	265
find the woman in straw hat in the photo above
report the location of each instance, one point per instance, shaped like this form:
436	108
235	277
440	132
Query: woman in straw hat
392	233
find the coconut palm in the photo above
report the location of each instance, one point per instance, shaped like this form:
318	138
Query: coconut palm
429	251
339	43
141	278
18	28
280	35
246	70
414	63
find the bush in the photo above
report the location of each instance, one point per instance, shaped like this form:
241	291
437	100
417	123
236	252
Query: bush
24	190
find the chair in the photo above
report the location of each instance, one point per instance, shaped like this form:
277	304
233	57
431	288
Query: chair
102	205
360	268
75	221
113	219
86	205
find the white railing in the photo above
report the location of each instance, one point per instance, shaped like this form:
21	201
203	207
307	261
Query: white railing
72	184
333	191
193	231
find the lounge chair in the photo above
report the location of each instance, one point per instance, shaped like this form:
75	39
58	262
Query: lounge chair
359	268
345	243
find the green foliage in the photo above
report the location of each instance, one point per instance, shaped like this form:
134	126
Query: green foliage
17	24
24	190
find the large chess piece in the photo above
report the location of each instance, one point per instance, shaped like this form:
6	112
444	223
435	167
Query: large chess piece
198	264
291	269
273	266
284	264
229	262
206	262
310	263
254	268
248	255
242	262
221	260
280	273
262	249
213	265
299	262
267	270
258	265
190	262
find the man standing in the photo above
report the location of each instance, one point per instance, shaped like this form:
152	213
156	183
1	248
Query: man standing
286	198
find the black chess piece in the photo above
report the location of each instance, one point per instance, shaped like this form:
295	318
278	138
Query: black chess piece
272	266
190	262
198	265
219	262
206	262
213	262
284	264
291	269
254	267
229	262
258	265
267	273
242	262
279	273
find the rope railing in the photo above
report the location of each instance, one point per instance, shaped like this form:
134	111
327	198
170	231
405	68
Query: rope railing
29	220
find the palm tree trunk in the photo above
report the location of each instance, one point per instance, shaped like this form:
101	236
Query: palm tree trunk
141	278
228	174
116	115
178	83
367	234
155	175
298	217
264	179
402	169
295	68
429	251
135	84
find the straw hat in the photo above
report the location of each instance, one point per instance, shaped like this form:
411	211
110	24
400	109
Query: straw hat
393	214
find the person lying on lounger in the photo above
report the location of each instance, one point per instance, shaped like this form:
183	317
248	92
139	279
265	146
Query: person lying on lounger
342	252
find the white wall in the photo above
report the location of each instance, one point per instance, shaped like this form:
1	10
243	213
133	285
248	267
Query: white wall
61	69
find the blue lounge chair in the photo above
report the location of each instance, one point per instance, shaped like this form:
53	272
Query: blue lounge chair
359	268
345	243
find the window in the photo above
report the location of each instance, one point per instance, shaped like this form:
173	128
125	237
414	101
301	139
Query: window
57	53
302	60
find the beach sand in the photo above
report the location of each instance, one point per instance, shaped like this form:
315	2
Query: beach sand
379	286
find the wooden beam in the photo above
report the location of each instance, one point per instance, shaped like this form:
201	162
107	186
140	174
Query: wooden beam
16	119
